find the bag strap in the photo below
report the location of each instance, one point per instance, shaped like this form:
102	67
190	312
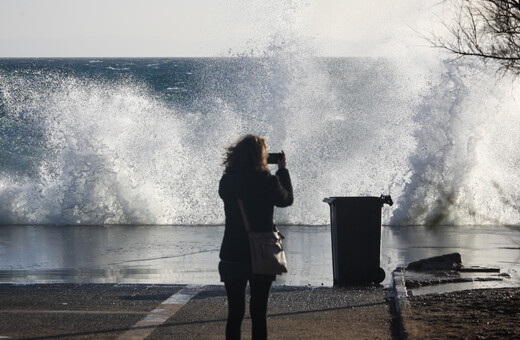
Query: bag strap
244	215
246	220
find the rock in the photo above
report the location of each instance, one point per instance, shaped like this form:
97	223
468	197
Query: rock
444	262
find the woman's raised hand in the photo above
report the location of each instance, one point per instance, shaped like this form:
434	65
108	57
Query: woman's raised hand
282	161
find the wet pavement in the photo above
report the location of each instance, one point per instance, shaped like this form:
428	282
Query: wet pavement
189	254
495	247
156	282
75	311
104	311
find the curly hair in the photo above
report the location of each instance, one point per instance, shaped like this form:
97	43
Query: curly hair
248	152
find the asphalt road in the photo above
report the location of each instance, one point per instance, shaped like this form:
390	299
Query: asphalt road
107	311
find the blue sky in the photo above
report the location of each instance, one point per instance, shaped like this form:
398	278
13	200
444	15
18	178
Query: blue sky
193	28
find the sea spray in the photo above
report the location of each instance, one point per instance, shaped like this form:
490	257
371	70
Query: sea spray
95	145
454	174
110	153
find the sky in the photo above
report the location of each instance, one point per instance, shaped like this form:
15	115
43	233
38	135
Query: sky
199	28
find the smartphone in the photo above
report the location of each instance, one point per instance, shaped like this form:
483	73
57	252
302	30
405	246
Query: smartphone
273	158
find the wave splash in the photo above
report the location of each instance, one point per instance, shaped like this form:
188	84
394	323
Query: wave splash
108	153
464	167
104	150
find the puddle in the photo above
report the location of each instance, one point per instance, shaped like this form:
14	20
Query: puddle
189	254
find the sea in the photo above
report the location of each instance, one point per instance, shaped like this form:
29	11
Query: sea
140	141
109	168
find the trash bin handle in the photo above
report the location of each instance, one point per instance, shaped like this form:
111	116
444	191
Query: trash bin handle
386	199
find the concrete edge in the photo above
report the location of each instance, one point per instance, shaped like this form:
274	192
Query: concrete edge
399	287
397	295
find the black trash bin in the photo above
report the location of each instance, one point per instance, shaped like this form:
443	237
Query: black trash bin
356	239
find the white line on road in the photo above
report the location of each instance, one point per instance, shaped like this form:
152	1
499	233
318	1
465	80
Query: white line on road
25	311
162	313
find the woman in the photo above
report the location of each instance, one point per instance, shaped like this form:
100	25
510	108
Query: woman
247	177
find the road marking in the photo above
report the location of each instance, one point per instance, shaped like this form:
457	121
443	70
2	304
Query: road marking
162	313
22	311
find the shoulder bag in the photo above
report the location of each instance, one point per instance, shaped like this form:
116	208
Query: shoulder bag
267	254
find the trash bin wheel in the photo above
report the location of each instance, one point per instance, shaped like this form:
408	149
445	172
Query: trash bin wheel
378	275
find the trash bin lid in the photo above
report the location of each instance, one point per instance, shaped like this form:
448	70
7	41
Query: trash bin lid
340	199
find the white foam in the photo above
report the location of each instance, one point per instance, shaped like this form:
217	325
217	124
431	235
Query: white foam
439	137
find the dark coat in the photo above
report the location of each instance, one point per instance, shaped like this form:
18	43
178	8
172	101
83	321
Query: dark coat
260	191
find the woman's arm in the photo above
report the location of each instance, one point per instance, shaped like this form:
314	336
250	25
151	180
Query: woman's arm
283	191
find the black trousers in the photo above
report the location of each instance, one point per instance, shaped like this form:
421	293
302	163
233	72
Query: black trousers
236	294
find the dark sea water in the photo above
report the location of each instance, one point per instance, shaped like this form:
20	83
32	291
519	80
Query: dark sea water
140	141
